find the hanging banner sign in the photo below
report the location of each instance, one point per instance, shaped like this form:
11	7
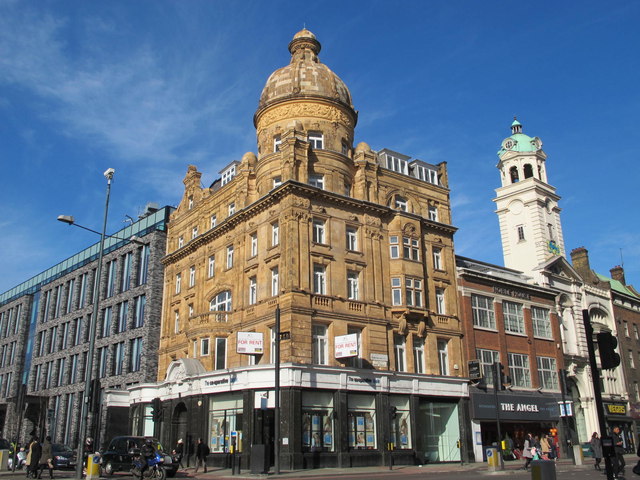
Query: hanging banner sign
250	343
346	345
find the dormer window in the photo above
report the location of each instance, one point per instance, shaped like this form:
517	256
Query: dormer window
316	180
228	174
396	164
276	143
316	140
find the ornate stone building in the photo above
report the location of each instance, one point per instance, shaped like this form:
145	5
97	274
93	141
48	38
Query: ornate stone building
355	247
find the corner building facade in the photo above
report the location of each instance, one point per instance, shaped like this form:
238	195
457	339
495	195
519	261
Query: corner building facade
355	247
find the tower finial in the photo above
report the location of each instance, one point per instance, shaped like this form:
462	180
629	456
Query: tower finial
516	126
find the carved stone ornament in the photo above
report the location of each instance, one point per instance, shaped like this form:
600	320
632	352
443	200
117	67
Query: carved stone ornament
422	328
301	202
297	110
402	325
409	229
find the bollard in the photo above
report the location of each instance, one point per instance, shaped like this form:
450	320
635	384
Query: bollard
4	460
93	467
543	470
578	456
492	458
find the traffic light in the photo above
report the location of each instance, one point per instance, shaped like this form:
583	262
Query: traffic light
500	379
393	412
156	409
607	344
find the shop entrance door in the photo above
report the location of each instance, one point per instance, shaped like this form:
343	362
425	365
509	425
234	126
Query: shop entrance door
263	432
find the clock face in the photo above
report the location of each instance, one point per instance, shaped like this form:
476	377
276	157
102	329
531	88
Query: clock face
508	144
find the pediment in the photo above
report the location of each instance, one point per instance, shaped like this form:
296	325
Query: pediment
183	368
559	266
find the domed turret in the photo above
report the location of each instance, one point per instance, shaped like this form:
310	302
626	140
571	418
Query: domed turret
304	77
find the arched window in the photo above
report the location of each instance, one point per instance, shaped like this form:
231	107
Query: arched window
399	203
528	171
221	302
513	171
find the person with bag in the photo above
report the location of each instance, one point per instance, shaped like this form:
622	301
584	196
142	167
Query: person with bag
526	451
545	447
46	457
202	450
179	452
33	458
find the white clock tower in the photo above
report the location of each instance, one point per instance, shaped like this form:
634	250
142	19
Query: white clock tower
527	206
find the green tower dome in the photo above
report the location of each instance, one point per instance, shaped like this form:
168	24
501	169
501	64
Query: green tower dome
518	141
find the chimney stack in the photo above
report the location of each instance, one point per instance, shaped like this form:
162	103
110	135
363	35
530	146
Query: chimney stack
580	261
617	273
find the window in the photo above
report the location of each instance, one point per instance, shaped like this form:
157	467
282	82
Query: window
221	353
106	322
126	272
73	369
230	256
352	285
317	180
400	203
432	212
345	148
443	356
204	347
178	282
547	373
437	259
118	359
320	345
275	281
347	189
413	292
70	287
56	309
211	271
45	313
519	370
123	311
180	241
316	140
635	332
418	355
411	248
352	239
356	361
77	330
396	291
520	231
277	181
513	317
190	310
138	313
440	301
192	276
135	347
228	175
144	252
394	247
65	335
253	290
83	290
317	422
253	242
111	278
213	221
277	141
626	329
483	314
400	352
190	201
318	231
319	279
396	164
275	234
541	322
176	321
487	358
61	364
194	232
37	377
361	422
221	302
631	362
102	361
232	208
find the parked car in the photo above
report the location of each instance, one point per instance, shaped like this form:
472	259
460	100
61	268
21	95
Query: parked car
63	456
119	455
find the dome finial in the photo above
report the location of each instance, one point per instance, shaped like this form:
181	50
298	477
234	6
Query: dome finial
304	41
516	126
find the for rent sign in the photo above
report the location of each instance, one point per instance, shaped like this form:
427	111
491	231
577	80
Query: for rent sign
346	345
250	343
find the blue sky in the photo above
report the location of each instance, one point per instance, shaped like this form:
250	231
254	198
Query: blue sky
148	87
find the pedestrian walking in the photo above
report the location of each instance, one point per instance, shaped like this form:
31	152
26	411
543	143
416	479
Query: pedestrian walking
526	451
202	451
33	457
545	447
596	448
179	452
46	458
618	460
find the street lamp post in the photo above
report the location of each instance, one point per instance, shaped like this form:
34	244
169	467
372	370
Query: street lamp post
88	377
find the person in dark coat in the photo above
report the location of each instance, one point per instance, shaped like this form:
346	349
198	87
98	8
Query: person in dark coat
596	448
201	455
179	452
618	444
46	458
35	452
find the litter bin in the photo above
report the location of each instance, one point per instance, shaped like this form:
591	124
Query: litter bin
4	460
543	470
492	458
93	467
578	458
258	461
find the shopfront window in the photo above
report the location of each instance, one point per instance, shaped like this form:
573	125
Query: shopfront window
400	422
361	420
438	431
225	417
317	422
